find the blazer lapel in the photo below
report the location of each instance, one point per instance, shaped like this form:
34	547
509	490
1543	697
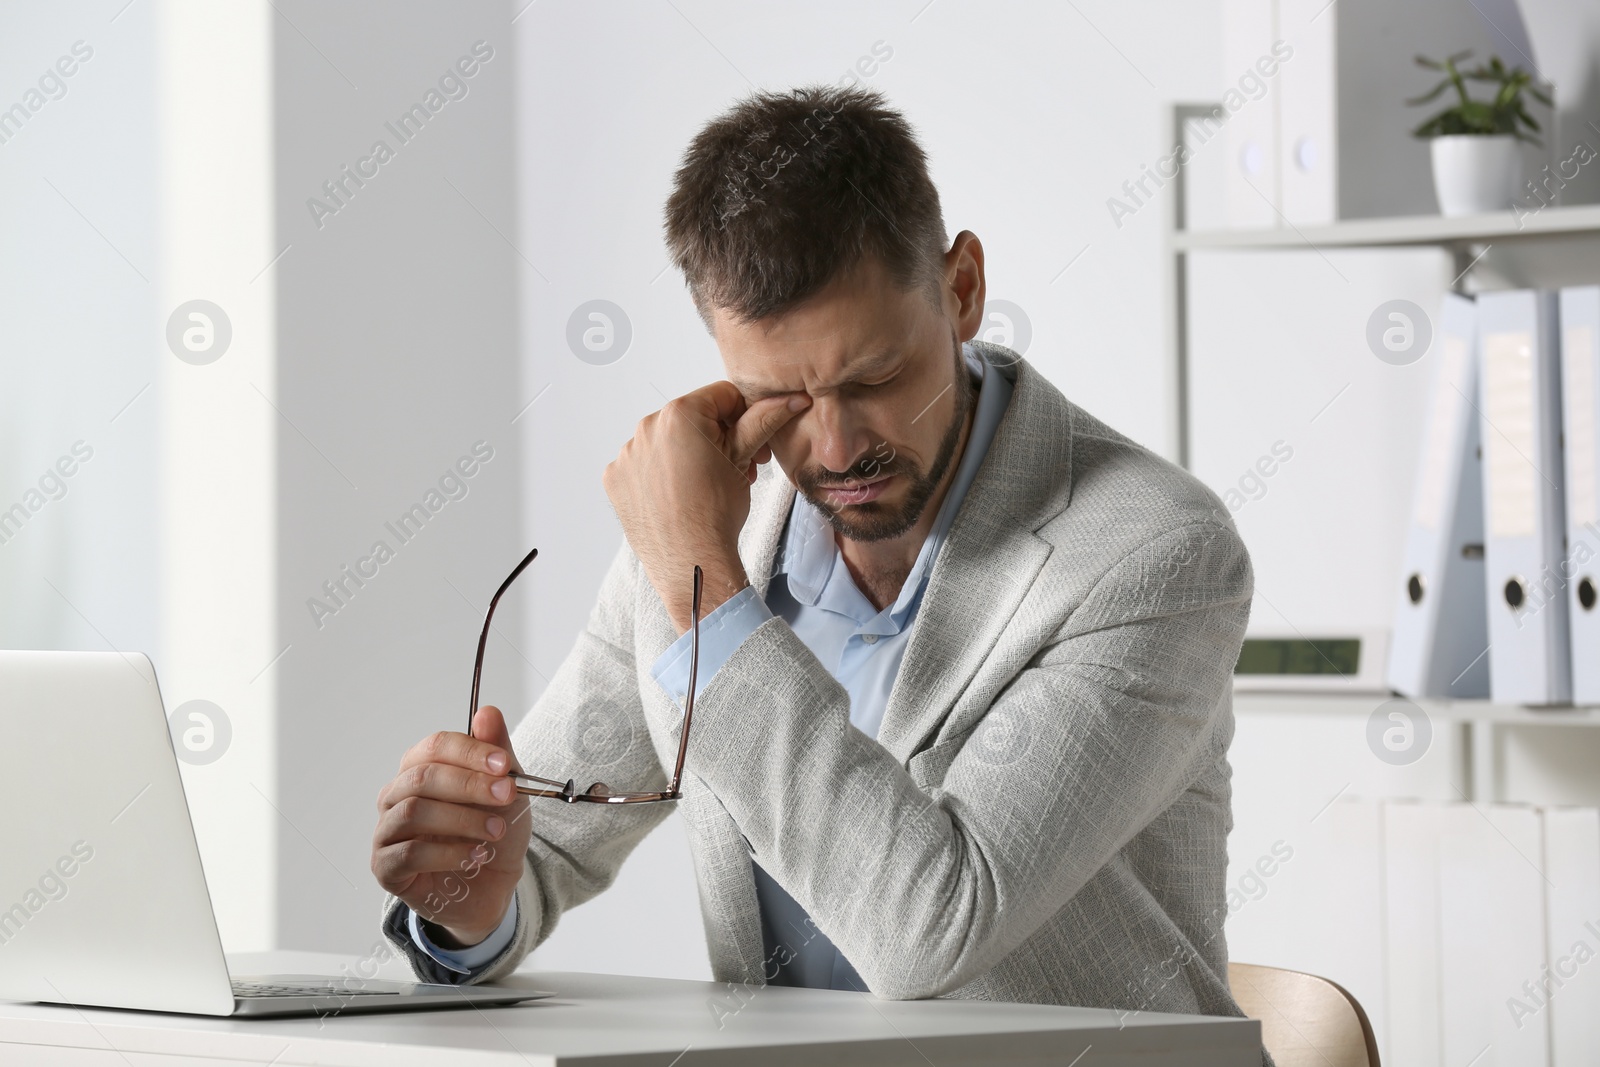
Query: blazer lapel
721	854
770	500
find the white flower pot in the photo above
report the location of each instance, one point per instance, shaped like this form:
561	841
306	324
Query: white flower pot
1473	173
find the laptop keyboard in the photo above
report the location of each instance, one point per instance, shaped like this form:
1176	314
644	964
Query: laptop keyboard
319	989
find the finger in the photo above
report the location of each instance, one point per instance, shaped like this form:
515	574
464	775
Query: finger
489	726
763	419
722	401
448	746
711	410
442	781
421	817
400	863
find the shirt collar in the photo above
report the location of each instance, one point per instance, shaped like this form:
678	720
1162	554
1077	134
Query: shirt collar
809	558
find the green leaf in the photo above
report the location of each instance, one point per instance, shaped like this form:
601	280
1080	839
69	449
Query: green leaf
1504	113
1477	115
1431	94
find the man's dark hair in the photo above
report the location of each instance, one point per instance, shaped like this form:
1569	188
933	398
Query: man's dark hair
786	191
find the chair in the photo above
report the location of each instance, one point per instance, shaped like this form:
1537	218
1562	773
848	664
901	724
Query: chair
1306	1021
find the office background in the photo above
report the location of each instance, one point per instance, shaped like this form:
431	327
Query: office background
429	311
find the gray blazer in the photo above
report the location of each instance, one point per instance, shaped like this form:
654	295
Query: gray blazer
1044	814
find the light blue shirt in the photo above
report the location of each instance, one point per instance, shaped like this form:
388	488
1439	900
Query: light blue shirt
860	645
473	957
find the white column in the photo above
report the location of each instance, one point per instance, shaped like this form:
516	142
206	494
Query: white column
219	433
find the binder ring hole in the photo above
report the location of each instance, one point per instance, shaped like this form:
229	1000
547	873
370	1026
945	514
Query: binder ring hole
1516	592
1414	588
1586	595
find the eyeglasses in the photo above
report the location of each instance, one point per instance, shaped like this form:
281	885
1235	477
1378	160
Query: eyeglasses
598	793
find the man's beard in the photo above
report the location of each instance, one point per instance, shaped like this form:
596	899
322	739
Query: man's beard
873	521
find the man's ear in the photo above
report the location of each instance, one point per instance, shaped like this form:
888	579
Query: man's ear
964	284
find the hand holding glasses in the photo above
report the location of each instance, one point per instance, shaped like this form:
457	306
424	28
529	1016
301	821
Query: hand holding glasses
598	793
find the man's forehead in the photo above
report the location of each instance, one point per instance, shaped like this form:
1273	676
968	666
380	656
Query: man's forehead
836	339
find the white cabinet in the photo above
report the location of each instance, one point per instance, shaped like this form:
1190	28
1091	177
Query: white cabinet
1467	926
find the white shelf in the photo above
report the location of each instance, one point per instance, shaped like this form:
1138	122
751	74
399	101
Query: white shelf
1466	711
1408	230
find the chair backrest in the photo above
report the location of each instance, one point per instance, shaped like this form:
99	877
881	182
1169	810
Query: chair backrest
1306	1021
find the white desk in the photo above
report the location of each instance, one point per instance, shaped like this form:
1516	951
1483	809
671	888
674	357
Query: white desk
611	1021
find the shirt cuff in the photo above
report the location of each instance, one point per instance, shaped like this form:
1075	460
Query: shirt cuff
469	959
721	634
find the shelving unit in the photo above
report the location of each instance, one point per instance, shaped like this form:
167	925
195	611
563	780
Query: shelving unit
1468	238
1295	747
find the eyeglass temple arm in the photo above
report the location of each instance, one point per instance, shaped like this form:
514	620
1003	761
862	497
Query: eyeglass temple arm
483	638
688	700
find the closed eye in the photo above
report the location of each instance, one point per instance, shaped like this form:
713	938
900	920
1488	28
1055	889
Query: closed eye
878	384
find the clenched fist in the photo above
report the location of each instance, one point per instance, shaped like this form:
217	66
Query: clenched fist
681	489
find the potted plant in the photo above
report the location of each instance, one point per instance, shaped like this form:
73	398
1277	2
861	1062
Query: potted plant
1476	161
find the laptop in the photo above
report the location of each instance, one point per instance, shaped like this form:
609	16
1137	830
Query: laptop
103	901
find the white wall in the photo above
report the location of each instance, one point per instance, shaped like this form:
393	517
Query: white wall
398	357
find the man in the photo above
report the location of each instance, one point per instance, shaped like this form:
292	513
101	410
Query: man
964	699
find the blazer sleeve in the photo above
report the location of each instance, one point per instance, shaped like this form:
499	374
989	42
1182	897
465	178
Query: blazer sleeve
1105	729
588	725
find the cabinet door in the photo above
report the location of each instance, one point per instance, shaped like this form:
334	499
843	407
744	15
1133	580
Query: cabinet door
1250	190
1308	144
1412	934
1491	936
1572	918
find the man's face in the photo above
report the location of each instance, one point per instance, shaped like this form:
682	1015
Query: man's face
889	391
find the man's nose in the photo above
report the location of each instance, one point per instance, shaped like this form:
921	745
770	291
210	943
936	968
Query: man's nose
837	442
